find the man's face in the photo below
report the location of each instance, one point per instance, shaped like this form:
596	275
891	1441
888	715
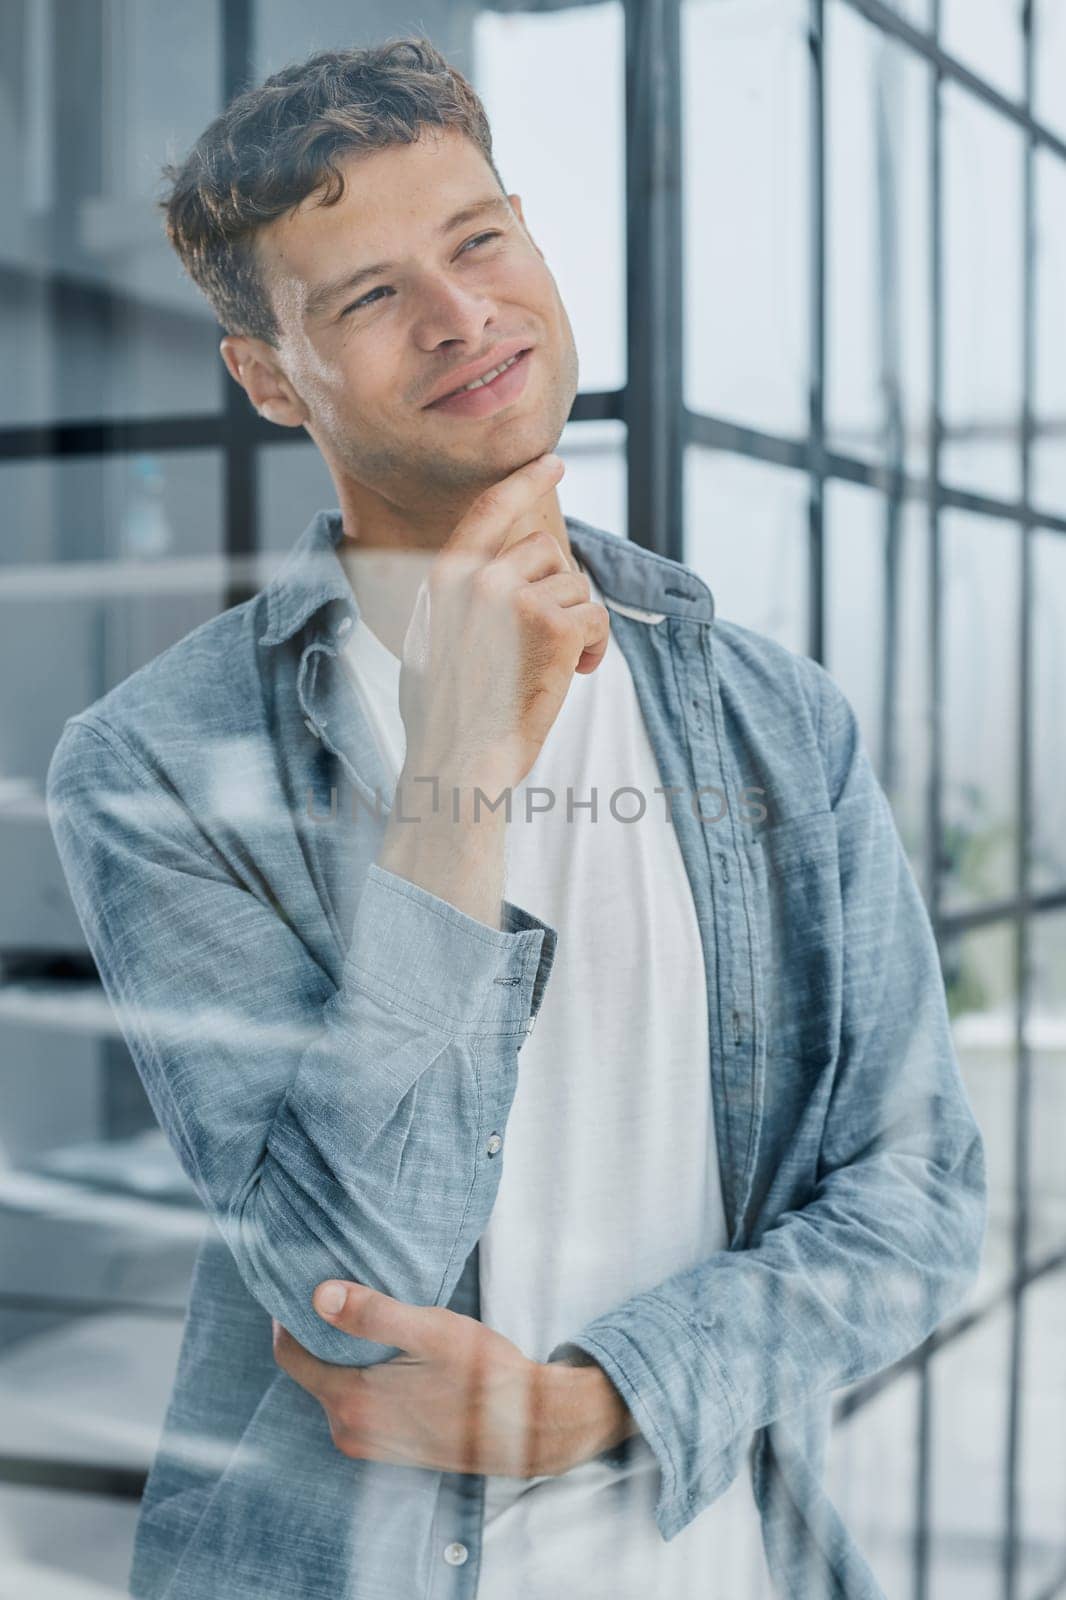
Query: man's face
367	361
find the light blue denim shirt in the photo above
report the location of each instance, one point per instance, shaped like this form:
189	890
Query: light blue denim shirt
331	1048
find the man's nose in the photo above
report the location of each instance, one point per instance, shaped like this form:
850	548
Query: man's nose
451	312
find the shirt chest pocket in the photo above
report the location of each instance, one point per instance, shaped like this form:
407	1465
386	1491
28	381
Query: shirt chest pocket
799	945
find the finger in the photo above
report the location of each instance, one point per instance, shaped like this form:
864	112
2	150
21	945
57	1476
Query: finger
536	555
594	623
304	1368
484	528
562	589
365	1313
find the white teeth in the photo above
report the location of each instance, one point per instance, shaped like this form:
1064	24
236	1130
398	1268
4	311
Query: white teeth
488	377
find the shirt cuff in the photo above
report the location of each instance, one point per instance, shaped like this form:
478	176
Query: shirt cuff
426	956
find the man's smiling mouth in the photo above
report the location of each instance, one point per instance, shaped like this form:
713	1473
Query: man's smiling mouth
477	383
483	380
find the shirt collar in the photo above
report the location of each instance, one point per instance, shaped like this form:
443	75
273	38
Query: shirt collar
637	581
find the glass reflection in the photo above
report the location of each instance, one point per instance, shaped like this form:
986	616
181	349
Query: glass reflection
97	317
877	263
594	487
746	536
979	978
745	128
876	645
1046	1039
1049	386
981	572
566	162
987	36
1047	842
982	296
968	1491
1042	1472
872	1462
1049	30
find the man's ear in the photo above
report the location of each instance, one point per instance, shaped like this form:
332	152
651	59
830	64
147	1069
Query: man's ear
250	363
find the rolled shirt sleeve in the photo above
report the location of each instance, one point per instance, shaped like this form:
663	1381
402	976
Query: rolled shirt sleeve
332	1129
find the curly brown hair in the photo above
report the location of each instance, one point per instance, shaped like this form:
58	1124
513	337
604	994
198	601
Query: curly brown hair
275	144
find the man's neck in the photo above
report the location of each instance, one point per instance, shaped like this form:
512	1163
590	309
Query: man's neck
373	522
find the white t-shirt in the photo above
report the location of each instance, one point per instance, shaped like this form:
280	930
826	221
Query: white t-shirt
610	1179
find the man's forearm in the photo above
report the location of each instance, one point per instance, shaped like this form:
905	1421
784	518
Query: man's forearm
453	849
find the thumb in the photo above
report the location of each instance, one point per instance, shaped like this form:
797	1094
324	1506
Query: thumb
366	1313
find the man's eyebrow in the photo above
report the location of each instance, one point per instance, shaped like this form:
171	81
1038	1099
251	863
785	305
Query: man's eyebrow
322	297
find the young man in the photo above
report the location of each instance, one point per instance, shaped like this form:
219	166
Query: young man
487	1310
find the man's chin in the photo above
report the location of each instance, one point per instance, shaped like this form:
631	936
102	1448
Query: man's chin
498	460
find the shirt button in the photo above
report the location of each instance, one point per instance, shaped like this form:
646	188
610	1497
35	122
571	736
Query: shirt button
494	1146
455	1554
344	626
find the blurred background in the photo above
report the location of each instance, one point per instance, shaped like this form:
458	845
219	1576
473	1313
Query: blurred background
814	253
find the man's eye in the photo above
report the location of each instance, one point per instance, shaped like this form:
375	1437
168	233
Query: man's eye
368	298
478	239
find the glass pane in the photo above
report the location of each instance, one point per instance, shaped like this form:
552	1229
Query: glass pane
871	1470
1046	1036
746	132
1042	1472
91	1388
98	317
1048	837
118	557
878	247
59	1545
157	505
986	35
981	566
982	290
858	603
283	33
968	1493
88	1389
1049	389
594	485
909	789
979	977
746	536
920	12
1049	25
564	154
876	590
94	1206
94	1211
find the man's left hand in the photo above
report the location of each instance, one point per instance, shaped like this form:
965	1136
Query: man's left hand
461	1398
